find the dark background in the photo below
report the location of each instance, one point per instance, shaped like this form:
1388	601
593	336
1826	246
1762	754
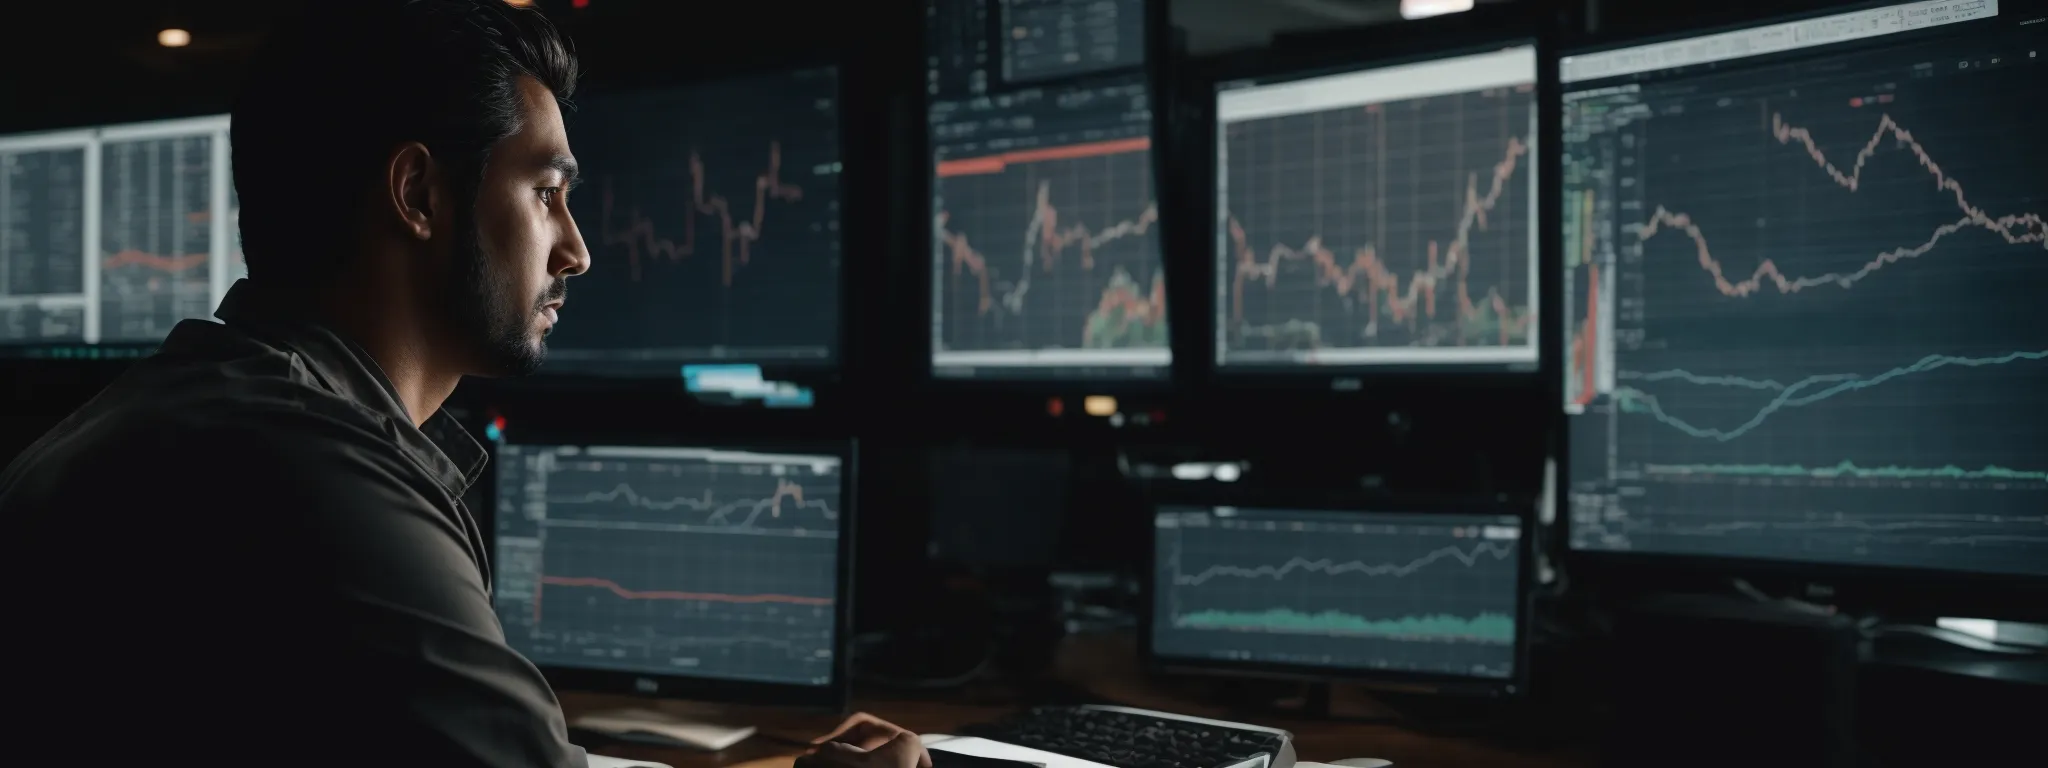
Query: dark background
76	64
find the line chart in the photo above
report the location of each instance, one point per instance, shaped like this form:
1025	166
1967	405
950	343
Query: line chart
736	235
1804	309
713	222
660	594
1791	396
1422	592
2014	228
694	562
1848	469
1295	185
720	513
1328	567
1085	270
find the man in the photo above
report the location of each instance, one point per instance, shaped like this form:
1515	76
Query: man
254	539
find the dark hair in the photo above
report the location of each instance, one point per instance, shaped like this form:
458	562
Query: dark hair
335	89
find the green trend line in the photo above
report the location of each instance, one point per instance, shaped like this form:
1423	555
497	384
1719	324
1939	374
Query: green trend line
1796	394
1849	469
1486	626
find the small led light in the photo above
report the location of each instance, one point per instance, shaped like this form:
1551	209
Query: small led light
174	38
1098	405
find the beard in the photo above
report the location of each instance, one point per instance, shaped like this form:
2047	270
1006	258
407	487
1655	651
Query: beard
498	324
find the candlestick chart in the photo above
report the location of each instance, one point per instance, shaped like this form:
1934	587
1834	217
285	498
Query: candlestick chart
1426	593
711	212
1393	233
1807	306
719	564
1050	249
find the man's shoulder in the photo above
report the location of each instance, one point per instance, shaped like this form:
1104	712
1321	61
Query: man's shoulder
177	413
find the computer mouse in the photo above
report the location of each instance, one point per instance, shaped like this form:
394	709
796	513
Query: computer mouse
1362	762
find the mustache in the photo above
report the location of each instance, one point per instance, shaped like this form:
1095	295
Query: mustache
559	291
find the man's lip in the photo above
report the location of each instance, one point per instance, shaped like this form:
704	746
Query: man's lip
549	311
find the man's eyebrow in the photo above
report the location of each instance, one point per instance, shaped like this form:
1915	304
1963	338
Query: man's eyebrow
571	174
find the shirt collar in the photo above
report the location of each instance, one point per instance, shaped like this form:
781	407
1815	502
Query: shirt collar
441	444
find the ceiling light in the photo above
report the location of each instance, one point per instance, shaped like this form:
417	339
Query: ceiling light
174	38
1417	9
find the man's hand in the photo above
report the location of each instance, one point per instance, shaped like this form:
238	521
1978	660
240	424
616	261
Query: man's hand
866	741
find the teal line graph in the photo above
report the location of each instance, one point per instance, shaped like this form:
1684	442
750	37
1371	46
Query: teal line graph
1495	627
1849	469
1789	396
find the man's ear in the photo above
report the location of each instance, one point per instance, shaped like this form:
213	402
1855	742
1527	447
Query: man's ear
410	179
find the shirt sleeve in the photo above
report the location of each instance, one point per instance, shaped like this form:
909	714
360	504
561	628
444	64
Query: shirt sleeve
411	646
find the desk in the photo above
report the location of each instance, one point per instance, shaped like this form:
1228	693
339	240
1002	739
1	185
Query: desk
1105	666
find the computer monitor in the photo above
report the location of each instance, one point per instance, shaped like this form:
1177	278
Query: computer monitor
1380	216
711	212
1420	592
1803	268
111	235
715	572
1046	257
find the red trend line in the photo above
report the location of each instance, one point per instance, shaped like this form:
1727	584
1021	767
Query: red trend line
160	263
734	235
972	166
2015	228
709	597
1379	280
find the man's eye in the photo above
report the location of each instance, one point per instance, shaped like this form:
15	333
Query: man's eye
548	195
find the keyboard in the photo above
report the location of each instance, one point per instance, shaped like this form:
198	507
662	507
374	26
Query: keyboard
1122	737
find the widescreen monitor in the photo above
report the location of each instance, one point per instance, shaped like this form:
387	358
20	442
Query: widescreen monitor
711	211
708	570
1803	268
1379	217
1046	258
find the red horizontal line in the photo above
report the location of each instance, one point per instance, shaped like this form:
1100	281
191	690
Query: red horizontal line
713	597
970	166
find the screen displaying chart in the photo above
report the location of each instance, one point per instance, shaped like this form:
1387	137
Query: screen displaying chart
1381	217
1804	265
111	235
671	561
1045	236
712	217
1405	592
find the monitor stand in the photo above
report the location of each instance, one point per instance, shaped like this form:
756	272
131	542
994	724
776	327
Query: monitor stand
1317	701
649	726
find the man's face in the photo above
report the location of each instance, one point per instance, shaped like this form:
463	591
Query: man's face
512	262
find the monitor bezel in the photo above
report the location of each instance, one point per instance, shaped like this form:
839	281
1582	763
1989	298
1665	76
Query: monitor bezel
1434	39
824	371
833	696
1899	590
1214	494
1055	378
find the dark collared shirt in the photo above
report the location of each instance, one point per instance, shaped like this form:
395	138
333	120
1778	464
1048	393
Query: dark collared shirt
245	543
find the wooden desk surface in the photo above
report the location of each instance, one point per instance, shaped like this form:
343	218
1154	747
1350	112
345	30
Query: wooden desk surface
1106	666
